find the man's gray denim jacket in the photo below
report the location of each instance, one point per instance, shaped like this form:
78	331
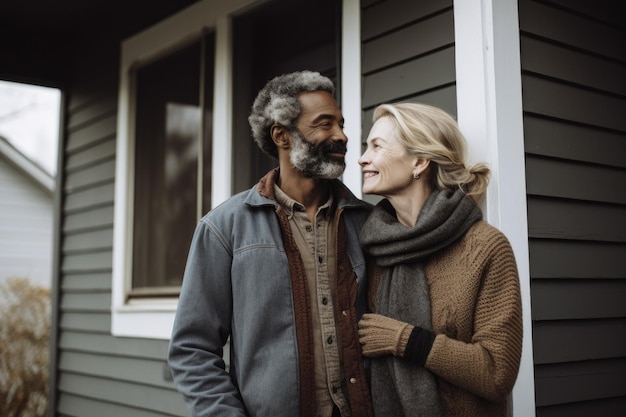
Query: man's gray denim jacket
240	283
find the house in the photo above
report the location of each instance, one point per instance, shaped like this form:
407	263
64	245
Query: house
538	88
26	214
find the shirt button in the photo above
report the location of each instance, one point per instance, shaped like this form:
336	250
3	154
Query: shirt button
329	340
324	300
309	228
352	380
320	259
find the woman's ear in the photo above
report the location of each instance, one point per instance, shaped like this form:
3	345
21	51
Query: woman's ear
421	165
280	136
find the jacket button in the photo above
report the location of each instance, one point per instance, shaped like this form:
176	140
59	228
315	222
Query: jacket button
352	380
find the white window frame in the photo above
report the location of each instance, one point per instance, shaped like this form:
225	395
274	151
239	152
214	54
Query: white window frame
153	317
490	114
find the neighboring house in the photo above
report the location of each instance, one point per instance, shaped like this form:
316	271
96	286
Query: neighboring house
26	218
538	87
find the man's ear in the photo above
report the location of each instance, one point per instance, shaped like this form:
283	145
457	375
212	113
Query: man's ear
281	136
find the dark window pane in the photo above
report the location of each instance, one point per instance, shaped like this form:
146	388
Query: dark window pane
167	128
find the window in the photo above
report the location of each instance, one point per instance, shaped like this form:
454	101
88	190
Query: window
173	95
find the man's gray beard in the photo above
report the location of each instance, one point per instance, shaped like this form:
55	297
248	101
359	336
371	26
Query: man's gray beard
307	159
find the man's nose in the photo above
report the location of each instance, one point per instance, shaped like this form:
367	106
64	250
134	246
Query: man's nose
339	135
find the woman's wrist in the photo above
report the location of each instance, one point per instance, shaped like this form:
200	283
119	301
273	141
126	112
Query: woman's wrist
419	343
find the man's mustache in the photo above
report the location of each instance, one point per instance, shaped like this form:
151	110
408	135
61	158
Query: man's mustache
334	147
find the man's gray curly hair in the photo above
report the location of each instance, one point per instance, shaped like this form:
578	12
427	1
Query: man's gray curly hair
278	103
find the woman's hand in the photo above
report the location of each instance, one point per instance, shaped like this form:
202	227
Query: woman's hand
380	335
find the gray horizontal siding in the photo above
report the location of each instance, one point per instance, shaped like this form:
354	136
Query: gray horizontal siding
606	407
98	152
409	78
584	381
568	299
584	221
574	99
86	302
551	258
87	220
102	172
98	374
96	281
567	27
99	345
93	322
71	405
558	139
578	340
89	240
407	55
90	133
387	16
441	97
137	399
425	36
573	66
573	103
147	372
567	179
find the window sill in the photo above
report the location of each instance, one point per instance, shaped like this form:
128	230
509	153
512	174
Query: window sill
151	319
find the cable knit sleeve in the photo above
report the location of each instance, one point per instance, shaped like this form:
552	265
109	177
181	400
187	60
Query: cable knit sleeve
477	314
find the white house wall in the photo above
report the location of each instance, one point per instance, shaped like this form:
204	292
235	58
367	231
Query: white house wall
26	213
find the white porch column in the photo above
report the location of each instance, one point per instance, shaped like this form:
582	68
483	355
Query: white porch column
489	108
351	91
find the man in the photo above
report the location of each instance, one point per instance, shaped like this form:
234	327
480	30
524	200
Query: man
279	270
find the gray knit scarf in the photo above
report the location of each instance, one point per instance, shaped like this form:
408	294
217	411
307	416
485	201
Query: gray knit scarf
401	388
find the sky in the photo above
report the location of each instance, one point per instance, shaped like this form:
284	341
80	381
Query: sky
29	120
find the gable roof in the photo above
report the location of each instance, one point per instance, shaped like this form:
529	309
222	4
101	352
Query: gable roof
28	167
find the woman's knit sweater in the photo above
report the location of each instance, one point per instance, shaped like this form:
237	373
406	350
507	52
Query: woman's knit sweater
477	318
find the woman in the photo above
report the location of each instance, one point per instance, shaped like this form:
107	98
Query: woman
446	332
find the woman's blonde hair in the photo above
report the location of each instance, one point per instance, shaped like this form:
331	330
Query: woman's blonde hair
429	132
